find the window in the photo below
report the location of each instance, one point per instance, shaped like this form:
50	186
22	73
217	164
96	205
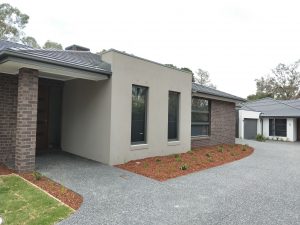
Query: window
138	114
200	117
173	115
277	127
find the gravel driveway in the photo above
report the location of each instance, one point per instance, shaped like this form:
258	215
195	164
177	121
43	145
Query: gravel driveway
263	188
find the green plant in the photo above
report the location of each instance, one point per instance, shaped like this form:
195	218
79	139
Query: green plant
63	190
157	160
176	156
220	148
146	165
37	175
183	167
244	147
208	155
178	159
260	137
190	152
210	160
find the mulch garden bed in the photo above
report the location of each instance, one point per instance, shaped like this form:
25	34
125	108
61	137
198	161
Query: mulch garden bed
57	190
162	168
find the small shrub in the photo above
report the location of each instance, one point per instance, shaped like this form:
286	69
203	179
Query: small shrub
176	156
157	160
183	167
37	175
232	154
146	165
208	155
63	190
220	148
190	152
244	147
178	159
260	137
210	160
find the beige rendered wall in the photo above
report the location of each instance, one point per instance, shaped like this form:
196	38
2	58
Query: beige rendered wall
86	119
129	70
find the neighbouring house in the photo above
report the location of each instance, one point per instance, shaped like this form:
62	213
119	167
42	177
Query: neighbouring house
111	108
274	119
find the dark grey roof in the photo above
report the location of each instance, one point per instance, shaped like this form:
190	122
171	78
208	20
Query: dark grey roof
211	91
274	108
76	59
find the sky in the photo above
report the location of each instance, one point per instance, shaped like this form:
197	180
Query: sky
235	41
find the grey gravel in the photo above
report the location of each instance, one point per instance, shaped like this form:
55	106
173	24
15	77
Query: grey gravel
263	188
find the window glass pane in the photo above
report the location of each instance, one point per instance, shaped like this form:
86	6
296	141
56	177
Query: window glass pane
199	104
271	127
280	127
138	117
173	115
200	117
200	130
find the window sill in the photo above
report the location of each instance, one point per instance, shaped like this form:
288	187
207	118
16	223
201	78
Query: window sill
200	137
174	143
139	147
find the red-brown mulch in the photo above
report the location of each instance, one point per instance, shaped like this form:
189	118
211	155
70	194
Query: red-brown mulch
57	190
162	168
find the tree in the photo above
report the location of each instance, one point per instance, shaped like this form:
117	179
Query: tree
202	77
30	41
283	83
52	45
12	22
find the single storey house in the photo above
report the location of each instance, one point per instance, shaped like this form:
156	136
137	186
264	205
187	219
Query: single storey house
274	119
111	108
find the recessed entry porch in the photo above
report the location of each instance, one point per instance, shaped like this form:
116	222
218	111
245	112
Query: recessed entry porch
31	108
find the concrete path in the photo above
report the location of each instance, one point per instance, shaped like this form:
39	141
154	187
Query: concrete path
263	188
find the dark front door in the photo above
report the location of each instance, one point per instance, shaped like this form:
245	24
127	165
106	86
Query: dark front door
42	119
250	128
298	129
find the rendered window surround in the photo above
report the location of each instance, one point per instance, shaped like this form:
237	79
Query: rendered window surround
139	111
173	116
204	117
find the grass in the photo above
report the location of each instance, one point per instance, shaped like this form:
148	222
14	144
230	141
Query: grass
22	203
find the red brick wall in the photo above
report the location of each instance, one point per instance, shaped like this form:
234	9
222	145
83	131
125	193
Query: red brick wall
222	125
8	116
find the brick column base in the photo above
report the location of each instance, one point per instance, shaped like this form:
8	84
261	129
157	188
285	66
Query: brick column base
26	120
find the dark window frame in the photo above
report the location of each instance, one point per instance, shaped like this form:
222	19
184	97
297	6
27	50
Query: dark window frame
274	127
177	116
146	102
208	112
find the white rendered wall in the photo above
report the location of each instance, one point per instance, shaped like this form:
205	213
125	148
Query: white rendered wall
291	130
245	114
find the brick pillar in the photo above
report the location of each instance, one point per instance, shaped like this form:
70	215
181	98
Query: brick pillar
26	120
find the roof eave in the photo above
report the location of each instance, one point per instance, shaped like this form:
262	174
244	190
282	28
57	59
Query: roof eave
8	53
218	97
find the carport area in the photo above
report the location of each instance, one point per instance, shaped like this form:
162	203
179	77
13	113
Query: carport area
32	83
260	189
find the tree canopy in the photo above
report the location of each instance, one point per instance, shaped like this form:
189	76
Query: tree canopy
12	22
202	77
30	41
52	45
283	83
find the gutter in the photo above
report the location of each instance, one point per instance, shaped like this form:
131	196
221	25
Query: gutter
235	99
6	53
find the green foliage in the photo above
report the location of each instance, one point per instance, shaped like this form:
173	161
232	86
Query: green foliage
52	45
202	77
37	175
22	203
184	167
260	137
244	147
220	148
283	83
12	22
157	160
30	41
208	155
